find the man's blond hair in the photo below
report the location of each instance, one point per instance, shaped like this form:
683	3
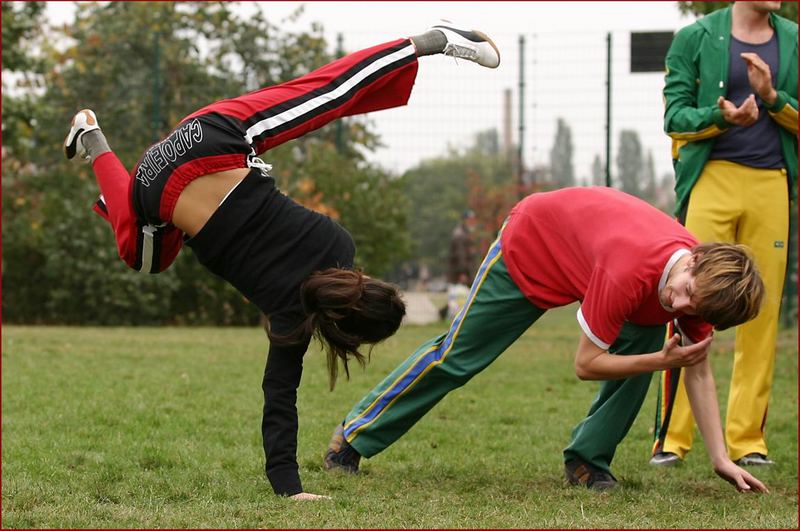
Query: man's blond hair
728	287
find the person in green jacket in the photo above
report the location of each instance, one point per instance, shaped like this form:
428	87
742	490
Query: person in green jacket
731	111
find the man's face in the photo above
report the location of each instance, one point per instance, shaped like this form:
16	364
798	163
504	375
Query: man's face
677	293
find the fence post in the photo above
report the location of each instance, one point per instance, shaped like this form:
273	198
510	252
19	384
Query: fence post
156	116
340	122
521	126
608	109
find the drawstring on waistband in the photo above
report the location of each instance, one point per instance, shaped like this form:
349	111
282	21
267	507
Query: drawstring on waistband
255	162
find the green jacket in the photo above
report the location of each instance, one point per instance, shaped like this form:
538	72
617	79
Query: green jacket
697	75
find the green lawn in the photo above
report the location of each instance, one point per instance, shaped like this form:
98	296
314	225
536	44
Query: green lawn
159	427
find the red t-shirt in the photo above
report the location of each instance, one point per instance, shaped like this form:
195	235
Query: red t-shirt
600	246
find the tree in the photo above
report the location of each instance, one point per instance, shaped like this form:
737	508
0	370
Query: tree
598	172
22	28
366	200
666	194
788	9
440	189
561	167
649	186
629	162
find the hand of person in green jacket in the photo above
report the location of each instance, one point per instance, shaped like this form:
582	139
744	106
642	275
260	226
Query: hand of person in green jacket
760	77
744	115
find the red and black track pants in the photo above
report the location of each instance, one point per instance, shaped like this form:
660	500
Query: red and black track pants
229	133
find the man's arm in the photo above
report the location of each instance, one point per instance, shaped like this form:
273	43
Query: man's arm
683	119
595	363
784	111
703	398
782	107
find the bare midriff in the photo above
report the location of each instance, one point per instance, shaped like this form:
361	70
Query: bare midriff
201	198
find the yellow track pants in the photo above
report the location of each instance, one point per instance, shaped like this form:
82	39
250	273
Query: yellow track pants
736	203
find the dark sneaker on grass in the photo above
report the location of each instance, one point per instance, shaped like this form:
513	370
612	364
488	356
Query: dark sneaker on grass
340	455
754	459
665	459
586	475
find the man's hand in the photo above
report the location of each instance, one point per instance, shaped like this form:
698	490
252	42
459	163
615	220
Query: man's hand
739	478
675	355
744	115
760	77
307	496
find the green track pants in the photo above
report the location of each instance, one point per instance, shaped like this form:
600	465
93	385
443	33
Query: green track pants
595	438
494	315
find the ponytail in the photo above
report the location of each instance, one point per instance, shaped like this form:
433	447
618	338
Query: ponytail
344	309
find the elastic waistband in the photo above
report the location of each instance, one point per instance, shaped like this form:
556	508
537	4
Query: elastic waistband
738	167
203	145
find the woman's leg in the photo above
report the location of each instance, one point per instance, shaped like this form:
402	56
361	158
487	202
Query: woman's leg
764	228
114	204
711	215
376	78
142	247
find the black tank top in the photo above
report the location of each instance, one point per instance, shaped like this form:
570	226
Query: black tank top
266	245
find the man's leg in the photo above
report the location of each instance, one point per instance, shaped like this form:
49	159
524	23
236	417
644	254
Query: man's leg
764	228
595	438
712	213
495	314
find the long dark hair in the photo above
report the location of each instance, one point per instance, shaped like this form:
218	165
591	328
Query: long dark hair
344	309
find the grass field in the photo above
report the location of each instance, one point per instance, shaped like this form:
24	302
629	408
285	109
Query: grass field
159	427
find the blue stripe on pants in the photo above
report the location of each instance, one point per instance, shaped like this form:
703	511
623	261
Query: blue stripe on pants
434	355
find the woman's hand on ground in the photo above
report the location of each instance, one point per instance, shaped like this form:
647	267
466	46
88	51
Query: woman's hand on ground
306	496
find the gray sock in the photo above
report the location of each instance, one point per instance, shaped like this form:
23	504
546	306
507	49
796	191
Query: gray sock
95	143
429	43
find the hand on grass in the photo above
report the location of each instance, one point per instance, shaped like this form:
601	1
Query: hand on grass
307	496
746	114
675	355
739	478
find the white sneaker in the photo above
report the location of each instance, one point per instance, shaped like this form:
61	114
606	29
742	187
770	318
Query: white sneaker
665	459
754	459
82	122
471	45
